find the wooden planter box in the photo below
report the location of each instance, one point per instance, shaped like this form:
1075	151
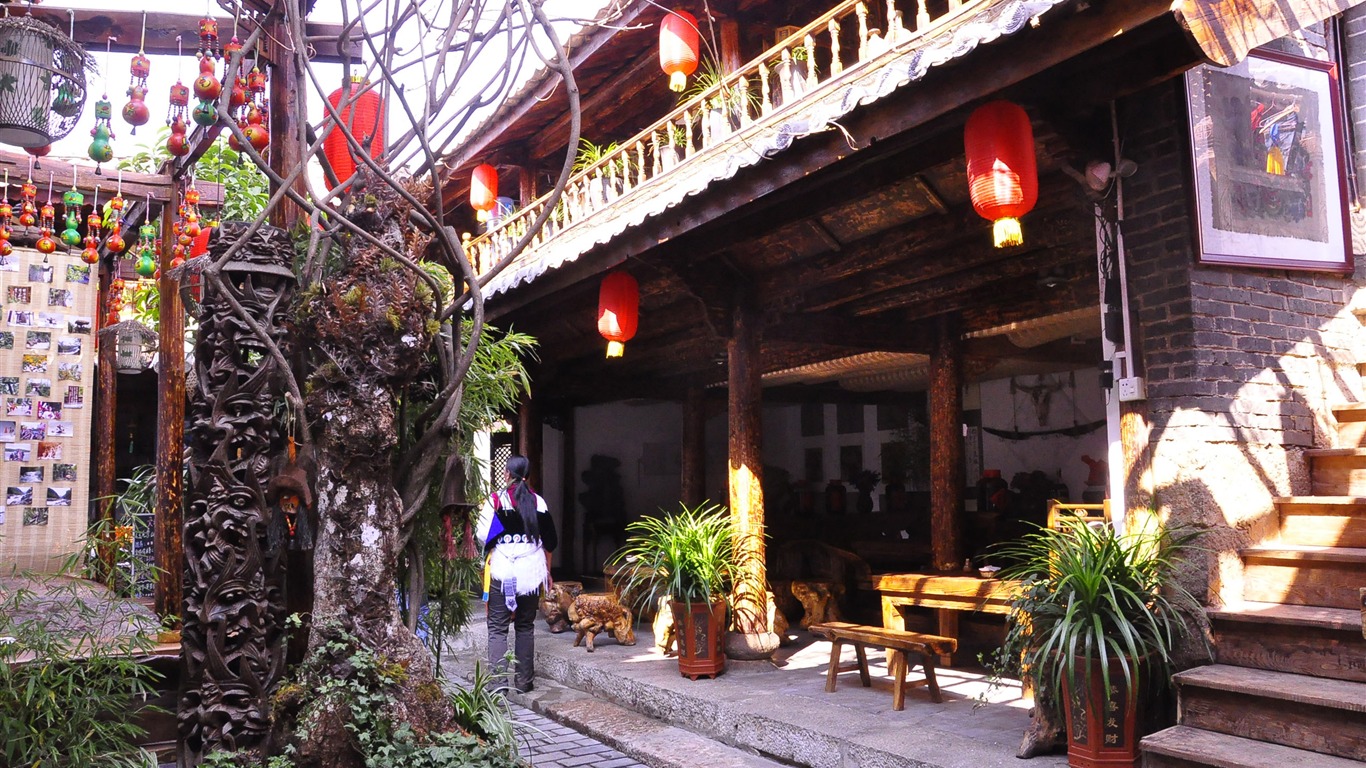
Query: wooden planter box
701	632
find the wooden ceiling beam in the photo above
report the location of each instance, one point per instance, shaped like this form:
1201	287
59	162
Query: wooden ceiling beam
641	73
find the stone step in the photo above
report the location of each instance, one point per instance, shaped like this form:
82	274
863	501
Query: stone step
1323	521
1184	747
1306	640
1312	713
1325	576
1337	471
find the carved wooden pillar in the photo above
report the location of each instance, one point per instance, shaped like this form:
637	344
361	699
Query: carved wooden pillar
693	469
530	441
106	408
746	468
170	520
946	445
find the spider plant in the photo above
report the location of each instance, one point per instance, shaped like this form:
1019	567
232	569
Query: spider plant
687	555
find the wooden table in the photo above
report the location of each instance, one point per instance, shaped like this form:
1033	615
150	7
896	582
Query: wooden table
946	593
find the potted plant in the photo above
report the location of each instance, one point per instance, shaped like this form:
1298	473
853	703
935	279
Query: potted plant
1098	616
687	556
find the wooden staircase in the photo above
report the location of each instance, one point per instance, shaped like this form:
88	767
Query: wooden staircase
1289	684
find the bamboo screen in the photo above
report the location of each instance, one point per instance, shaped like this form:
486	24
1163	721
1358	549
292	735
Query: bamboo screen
47	374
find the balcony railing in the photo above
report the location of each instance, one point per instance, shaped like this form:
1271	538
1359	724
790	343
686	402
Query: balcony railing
808	62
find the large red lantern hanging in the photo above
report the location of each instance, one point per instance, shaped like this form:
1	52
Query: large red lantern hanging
1003	176
365	117
618	308
484	190
678	47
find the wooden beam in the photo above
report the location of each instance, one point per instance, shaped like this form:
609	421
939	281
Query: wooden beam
746	473
946	445
106	410
170	451
855	333
95	26
136	186
641	73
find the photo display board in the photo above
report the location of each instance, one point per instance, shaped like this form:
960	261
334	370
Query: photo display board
47	374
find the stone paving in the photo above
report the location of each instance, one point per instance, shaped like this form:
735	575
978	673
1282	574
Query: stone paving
547	744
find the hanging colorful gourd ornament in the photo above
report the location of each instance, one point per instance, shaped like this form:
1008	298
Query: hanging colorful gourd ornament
100	150
179	142
93	222
257	110
28	209
207	86
72	200
6	218
115	304
113	221
47	220
146	265
136	112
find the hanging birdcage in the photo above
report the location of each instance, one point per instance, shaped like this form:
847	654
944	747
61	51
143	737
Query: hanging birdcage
42	82
134	345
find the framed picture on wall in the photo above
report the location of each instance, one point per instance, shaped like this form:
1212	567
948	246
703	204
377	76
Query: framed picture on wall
1270	181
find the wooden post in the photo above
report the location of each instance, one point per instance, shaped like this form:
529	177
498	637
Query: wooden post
530	441
570	499
106	409
170	551
286	153
946	445
746	468
731	58
693	469
526	185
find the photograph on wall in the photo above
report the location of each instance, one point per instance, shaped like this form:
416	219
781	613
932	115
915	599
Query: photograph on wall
69	346
32	430
38	387
18	406
61	297
31	474
9	385
61	428
69	371
6	340
78	273
9	263
78	325
35	515
49	320
38	340
49	410
58	497
18	495
18	294
1269	165
49	451
9	431
63	473
19	318
40	273
19	452
34	363
2	515
75	396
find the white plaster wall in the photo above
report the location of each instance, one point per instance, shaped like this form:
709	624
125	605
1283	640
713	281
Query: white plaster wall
1079	400
621	430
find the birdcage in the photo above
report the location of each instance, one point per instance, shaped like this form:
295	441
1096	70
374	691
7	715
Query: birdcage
42	82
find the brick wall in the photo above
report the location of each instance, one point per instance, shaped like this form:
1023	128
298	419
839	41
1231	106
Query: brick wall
1242	364
1354	81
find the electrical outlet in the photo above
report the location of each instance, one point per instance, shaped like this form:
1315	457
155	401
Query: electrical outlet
1131	389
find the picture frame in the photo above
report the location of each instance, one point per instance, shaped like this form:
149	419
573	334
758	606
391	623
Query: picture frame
1269	165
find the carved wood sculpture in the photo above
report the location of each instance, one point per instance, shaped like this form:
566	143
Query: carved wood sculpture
555	604
234	592
591	614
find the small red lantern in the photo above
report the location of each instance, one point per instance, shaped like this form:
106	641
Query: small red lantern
484	190
365	117
618	308
678	47
1003	176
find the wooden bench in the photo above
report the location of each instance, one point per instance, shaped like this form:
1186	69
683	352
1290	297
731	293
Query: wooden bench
899	644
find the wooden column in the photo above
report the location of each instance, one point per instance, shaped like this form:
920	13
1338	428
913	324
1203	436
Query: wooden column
731	58
530	441
946	445
569	515
693	469
169	547
286	152
526	185
106	408
746	468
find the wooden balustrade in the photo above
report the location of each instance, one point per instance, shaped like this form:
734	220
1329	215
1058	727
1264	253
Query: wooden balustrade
839	42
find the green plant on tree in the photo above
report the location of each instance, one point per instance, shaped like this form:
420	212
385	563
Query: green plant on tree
688	555
1092	597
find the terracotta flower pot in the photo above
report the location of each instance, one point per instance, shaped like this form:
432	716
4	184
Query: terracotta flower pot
701	632
1102	727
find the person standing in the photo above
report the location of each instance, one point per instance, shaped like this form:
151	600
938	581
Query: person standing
519	537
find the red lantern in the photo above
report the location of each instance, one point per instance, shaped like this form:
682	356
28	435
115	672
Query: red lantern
484	190
678	47
365	117
1003	176
618	308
